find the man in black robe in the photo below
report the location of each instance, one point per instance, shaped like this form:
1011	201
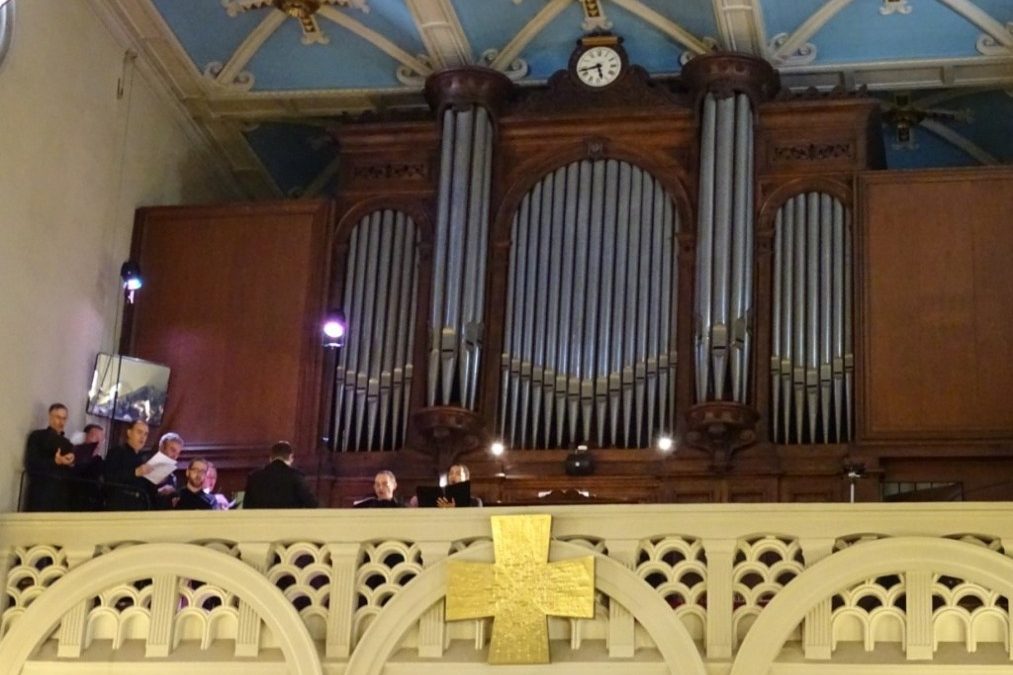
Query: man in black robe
86	489
384	485
278	485
49	461
126	488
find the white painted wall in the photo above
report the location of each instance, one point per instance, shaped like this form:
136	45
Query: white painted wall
75	161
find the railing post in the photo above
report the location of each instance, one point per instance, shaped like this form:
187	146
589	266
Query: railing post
918	636
70	638
432	626
164	603
621	639
720	556
256	555
344	559
817	631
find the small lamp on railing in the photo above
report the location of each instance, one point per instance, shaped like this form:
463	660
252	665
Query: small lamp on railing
130	274
497	448
853	471
334	329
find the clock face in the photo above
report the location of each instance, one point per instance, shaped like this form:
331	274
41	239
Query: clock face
599	66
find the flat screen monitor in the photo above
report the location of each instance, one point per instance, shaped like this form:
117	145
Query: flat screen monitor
128	389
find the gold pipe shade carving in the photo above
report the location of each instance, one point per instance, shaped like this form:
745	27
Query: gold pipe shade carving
521	589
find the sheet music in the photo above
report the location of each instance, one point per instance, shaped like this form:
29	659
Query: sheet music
161	466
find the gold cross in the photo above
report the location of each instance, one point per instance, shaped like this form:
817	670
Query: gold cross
521	589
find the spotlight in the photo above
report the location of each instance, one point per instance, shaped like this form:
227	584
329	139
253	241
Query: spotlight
497	448
130	273
665	443
334	330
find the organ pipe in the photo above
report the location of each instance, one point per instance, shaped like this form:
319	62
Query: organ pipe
811	356
588	328
374	371
724	249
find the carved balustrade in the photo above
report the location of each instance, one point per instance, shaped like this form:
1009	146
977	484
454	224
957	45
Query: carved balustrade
678	588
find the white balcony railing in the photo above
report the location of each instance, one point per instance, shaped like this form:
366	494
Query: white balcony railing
680	589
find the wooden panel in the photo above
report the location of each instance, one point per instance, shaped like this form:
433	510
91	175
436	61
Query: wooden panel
232	301
936	313
837	135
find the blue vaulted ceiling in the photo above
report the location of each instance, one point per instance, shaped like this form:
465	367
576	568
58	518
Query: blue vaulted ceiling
949	62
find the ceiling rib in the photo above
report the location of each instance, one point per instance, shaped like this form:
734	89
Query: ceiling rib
740	26
973	71
664	24
960	141
937	97
525	35
377	40
809	27
249	47
982	20
441	32
966	73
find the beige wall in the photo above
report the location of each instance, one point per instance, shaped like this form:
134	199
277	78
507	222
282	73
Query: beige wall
75	161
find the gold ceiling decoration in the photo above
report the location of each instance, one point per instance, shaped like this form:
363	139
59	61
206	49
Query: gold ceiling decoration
303	11
521	589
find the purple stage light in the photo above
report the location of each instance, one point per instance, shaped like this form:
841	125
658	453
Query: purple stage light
334	330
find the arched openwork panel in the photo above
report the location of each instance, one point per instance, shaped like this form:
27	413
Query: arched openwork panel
589	338
374	374
812	353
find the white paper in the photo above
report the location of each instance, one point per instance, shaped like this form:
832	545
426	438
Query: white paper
161	466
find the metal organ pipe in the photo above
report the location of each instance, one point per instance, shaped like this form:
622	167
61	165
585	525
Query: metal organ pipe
746	320
584	333
788	309
799	330
440	256
374	370
811	354
724	249
723	226
705	249
456	319
742	249
362	394
615	353
775	325
605	338
630	323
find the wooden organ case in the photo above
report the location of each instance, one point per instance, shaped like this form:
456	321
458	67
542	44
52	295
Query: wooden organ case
600	266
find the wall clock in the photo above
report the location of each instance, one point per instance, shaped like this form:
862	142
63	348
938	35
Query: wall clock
598	61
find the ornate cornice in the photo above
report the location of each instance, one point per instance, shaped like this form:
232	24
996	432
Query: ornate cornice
466	86
724	74
634	89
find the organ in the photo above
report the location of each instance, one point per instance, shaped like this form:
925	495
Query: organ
701	256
